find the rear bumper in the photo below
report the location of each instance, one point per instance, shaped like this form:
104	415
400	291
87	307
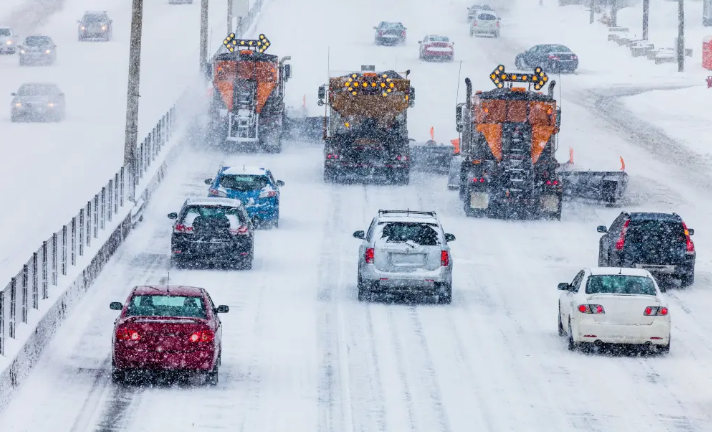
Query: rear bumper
263	212
7	49
228	251
131	359
389	40
37	58
624	334
438	54
417	280
565	65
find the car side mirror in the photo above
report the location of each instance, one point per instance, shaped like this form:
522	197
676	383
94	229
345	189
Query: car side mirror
222	309
173	215
449	237
602	229
280	183
420	42
360	235
116	306
691	231
13	94
375	28
208	181
255	220
564	286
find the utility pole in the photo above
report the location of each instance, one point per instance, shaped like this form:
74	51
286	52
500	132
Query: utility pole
646	15
593	10
614	13
132	100
203	33
681	36
229	17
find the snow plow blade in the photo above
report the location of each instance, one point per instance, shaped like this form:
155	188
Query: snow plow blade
434	159
605	186
309	129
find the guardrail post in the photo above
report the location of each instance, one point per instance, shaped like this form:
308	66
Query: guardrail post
122	185
102	219
25	294
142	157
35	284
116	193
64	250
73	241
13	304
2	323
54	259
109	199
96	216
45	292
81	232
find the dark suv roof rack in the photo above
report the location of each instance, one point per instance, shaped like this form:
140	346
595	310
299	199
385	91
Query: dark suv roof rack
407	212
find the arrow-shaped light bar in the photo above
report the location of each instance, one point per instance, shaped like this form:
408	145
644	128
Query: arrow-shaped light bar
369	83
539	78
260	44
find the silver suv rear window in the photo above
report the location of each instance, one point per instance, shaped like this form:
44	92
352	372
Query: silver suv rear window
415	232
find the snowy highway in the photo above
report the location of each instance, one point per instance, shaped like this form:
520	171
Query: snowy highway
301	353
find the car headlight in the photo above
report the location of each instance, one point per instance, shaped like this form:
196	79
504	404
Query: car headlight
83	28
22	51
18	104
47	51
51	104
103	27
9	42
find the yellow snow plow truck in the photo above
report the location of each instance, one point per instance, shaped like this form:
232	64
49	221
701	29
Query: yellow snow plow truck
508	160
366	128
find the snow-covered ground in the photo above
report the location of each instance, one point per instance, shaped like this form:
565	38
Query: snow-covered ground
50	170
301	353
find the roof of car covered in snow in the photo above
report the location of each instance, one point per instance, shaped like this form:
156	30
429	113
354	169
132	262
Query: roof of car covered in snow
406	216
225	202
243	169
177	290
603	271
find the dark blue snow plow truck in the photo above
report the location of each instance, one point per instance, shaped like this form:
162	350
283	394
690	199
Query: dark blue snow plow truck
507	165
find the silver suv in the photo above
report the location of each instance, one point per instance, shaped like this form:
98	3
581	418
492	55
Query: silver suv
405	252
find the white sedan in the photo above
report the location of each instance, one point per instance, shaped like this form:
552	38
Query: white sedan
434	47
606	305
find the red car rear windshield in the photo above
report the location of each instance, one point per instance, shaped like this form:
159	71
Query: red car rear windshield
164	305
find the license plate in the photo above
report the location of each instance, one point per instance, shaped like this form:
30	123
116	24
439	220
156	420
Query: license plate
407	259
656	268
479	200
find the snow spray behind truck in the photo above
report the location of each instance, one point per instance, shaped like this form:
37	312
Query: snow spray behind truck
366	128
508	148
247	107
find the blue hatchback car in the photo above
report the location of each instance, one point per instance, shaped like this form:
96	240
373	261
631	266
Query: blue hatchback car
255	187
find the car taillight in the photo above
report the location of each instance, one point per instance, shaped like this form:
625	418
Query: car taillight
332	156
497	23
474	23
402	158
478	180
553	57
655	311
214	192
403	33
202	336
574	57
242	230
444	258
127	334
368	256
689	246
621	240
380	33
591	309
268	194
552	182
182	228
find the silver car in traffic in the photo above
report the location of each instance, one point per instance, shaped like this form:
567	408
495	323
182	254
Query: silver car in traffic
405	252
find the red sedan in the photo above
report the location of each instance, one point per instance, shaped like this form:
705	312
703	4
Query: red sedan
434	47
167	328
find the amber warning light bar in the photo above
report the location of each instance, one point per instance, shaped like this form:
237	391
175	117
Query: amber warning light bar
260	44
539	78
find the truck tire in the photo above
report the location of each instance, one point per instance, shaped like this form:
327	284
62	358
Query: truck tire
687	280
400	177
363	292
445	298
329	175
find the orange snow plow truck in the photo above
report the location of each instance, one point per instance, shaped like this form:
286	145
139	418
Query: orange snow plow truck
247	106
508	152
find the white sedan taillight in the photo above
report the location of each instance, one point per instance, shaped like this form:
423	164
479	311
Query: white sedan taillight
591	309
655	311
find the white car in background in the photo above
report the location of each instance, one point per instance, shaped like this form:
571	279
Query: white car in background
8	41
434	47
607	305
485	22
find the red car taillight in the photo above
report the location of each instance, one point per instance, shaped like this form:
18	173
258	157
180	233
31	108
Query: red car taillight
478	180
444	258
552	182
213	192
380	33
621	240
182	228
127	334
332	156
655	311
497	23
241	230
402	158
403	33
591	309
474	23
553	57
690	246
202	336
369	255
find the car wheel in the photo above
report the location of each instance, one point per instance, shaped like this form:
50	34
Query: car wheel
472	33
245	263
177	263
118	377
687	280
562	332
665	349
572	345
519	63
212	377
496	34
446	297
329	175
364	293
14	118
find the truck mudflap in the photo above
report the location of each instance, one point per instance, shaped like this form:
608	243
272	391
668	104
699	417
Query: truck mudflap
605	186
453	175
431	158
308	129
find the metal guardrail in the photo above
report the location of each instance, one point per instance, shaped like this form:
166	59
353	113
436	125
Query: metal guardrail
55	258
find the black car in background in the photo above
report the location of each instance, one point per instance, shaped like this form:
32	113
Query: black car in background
212	231
38	50
657	242
552	58
95	26
38	102
390	33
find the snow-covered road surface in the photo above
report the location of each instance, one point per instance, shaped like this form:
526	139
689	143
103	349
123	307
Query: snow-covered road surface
301	353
